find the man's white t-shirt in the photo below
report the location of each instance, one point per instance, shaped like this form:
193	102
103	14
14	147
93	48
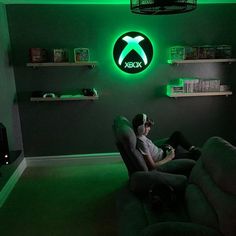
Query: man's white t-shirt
147	147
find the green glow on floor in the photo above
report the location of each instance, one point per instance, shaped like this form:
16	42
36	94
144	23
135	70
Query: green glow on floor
107	154
64	200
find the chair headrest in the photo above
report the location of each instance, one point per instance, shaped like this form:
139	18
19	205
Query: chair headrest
126	141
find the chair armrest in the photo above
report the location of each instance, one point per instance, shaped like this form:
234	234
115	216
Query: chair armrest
141	181
178	166
179	229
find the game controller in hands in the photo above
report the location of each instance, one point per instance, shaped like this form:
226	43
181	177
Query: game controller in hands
168	149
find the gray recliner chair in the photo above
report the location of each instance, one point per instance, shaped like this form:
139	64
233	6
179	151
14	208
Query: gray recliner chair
209	204
126	143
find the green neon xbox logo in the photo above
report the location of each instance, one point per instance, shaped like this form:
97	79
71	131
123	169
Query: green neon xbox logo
133	52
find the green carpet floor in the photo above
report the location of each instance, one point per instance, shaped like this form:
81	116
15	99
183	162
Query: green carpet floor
64	201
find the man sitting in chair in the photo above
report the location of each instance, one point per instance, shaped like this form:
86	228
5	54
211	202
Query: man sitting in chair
155	156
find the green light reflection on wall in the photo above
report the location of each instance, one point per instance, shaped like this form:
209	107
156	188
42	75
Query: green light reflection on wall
96	2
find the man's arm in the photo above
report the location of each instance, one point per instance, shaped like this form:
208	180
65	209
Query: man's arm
170	156
149	162
152	165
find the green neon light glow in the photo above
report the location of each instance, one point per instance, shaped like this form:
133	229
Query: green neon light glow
141	75
168	90
98	2
107	154
117	2
133	44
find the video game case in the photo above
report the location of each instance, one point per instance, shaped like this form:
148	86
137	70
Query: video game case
60	55
81	54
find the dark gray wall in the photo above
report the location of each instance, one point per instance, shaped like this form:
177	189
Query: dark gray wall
85	127
9	115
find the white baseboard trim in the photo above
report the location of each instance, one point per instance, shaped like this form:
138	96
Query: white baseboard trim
6	190
80	159
99	158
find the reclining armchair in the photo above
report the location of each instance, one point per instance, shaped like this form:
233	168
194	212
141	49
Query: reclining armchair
126	143
208	207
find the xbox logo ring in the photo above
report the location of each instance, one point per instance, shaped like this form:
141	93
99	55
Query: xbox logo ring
133	52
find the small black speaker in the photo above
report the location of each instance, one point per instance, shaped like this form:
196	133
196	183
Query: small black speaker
4	148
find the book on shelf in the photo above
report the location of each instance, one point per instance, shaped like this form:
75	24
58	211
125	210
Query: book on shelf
185	52
81	54
190	85
209	85
196	85
60	55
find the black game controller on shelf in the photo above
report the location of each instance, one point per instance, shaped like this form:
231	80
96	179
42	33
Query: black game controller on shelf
89	92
